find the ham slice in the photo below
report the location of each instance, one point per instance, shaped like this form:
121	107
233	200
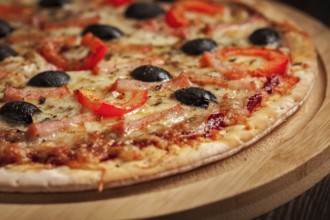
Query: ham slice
4	73
11	93
243	84
44	129
253	23
131	126
130	84
115	47
157	26
111	66
76	22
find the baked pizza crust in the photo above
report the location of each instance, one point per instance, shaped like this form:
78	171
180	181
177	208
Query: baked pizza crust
27	178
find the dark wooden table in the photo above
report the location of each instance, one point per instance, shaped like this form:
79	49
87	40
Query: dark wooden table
319	9
313	204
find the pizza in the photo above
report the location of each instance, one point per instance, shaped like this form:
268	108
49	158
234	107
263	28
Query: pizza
105	93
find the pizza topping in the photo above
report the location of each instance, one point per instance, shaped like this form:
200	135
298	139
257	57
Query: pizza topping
104	32
53	3
276	62
52	49
11	93
116	47
216	121
217	81
19	112
129	127
168	1
46	128
195	96
151	73
119	3
199	46
143	11
157	26
176	16
271	83
254	101
264	36
5	28
99	106
112	66
252	23
10	11
129	84
49	79
177	83
14	10
6	51
69	23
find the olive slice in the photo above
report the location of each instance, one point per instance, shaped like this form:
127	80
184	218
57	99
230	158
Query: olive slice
264	36
198	46
49	79
150	73
19	112
104	32
143	11
5	28
6	51
53	3
194	96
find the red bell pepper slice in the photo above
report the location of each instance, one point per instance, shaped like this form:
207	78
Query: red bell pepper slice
100	107
119	3
176	16
97	51
276	62
51	50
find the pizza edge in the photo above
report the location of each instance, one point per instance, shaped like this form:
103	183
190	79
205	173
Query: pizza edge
261	123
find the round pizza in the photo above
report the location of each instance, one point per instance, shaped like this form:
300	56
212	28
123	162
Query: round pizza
105	93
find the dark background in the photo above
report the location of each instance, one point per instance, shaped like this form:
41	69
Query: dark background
319	9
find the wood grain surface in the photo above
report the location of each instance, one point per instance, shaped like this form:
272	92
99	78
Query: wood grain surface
290	160
313	204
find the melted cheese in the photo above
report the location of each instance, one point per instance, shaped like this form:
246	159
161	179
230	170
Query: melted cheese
165	45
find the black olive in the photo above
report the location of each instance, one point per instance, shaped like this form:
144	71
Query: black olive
143	11
49	79
104	32
6	51
198	46
19	112
53	3
195	96
5	28
264	36
150	73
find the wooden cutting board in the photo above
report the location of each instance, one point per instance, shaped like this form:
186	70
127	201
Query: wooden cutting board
273	171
